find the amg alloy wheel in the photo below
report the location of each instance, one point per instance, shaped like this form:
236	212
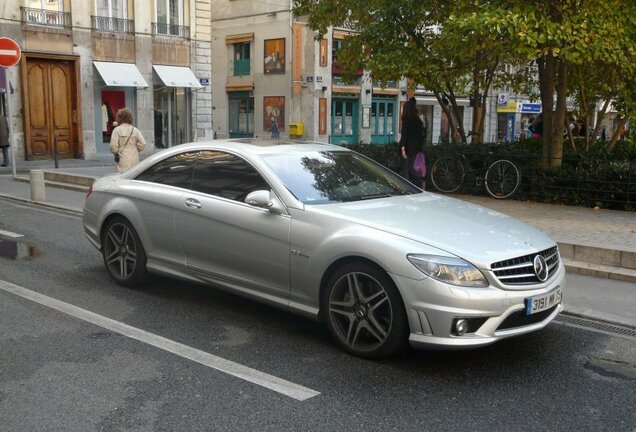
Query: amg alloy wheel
124	255
364	311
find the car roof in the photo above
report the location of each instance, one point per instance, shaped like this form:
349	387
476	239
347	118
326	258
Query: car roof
261	146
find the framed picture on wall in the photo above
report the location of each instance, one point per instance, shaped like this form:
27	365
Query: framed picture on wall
273	113
274	61
324	47
366	117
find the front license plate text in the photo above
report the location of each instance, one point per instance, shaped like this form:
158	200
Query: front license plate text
543	302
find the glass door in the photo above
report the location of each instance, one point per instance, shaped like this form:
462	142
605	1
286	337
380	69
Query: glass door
383	121
241	115
344	121
171	116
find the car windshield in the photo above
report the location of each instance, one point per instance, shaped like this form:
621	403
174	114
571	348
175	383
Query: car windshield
322	177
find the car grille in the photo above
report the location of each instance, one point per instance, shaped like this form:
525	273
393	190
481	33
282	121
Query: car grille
520	319
520	271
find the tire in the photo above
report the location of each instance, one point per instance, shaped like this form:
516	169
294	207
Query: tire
364	311
502	179
124	255
447	174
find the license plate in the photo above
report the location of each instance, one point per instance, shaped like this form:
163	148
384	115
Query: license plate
543	302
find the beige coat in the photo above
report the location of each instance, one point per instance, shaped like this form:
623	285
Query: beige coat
128	153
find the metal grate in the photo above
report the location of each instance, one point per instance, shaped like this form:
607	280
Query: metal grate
520	271
520	319
596	326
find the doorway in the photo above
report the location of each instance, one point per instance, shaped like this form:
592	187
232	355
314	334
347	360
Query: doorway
171	116
382	121
344	121
50	101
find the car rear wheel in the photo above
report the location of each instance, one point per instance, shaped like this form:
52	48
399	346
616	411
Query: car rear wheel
364	311
124	255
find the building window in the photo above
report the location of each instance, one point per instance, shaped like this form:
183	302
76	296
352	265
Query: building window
241	58
45	12
111	16
241	114
169	17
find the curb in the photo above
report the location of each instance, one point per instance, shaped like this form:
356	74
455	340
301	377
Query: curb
76	211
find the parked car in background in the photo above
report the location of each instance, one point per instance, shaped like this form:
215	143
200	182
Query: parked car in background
326	232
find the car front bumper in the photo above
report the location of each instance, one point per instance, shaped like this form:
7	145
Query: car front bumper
432	308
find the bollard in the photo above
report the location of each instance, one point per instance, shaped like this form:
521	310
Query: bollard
37	185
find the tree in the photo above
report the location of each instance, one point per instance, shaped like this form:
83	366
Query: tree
410	38
560	35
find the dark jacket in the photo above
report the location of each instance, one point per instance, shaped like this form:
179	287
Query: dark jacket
4	132
412	138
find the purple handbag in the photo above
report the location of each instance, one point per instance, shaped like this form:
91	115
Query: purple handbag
419	164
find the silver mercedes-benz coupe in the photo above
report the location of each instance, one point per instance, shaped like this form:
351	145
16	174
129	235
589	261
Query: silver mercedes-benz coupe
328	233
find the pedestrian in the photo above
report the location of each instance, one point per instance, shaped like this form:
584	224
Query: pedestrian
536	127
603	134
411	142
126	141
275	131
4	140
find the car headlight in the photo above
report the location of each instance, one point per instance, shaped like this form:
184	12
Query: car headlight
454	271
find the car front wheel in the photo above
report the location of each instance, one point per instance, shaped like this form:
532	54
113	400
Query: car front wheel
124	255
364	311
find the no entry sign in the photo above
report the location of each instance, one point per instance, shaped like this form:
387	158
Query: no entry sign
9	52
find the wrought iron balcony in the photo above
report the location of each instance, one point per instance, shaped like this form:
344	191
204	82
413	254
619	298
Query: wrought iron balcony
171	30
113	25
45	17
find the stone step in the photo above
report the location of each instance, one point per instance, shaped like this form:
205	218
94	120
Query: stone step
57	184
597	255
600	270
69	178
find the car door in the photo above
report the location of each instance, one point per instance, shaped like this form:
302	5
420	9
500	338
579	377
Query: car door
157	192
226	240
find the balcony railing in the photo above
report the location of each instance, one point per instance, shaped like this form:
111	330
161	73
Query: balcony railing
44	17
171	30
113	25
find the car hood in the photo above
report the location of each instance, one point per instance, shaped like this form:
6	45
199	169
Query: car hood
472	232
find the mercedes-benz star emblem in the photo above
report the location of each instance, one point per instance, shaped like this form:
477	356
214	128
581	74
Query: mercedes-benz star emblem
540	268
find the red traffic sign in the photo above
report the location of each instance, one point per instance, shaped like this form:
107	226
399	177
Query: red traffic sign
9	52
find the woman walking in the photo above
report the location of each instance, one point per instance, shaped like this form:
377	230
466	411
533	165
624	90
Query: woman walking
126	141
411	142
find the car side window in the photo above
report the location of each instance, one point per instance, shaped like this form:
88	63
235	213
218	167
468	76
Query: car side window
226	175
175	171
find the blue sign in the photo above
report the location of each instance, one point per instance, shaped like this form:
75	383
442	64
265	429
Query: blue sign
534	108
204	81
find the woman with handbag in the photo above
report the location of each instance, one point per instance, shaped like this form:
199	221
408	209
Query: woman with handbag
126	141
412	144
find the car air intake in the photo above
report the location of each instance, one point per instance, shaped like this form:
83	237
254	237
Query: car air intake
521	271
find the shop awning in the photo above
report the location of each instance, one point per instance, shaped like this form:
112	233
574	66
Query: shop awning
177	76
120	74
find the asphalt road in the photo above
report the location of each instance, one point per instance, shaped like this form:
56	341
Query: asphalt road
62	373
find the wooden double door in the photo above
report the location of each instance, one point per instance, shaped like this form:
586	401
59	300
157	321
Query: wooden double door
50	98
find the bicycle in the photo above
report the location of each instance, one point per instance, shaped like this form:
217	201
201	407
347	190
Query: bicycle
501	177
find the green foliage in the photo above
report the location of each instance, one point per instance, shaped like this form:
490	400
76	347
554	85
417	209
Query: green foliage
598	177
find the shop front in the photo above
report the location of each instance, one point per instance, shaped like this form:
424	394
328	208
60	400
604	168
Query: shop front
172	94
382	120
344	119
115	88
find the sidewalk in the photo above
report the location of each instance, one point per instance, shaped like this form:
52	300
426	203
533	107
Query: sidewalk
598	238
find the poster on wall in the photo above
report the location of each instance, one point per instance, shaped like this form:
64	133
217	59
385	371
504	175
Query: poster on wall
273	113
274	62
323	52
322	118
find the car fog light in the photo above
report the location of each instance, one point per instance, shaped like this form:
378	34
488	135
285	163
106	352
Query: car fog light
461	327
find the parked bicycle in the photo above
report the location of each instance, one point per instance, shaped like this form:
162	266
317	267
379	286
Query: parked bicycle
501	177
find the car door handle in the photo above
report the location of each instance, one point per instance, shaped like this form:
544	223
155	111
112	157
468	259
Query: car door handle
192	203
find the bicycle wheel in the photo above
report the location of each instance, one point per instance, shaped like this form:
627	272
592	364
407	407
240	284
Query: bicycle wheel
502	179
447	174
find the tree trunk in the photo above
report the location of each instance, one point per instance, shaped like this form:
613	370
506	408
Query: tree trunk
616	135
546	87
556	148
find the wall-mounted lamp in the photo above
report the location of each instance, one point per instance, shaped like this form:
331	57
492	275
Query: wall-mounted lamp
403	92
324	88
367	91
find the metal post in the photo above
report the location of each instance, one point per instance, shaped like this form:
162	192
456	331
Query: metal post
55	152
12	145
36	178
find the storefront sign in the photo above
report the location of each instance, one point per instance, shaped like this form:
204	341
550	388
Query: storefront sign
502	99
509	107
534	108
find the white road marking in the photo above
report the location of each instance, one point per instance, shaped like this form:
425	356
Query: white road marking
254	376
10	234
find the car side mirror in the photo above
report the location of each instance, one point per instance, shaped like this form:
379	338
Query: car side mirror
259	198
